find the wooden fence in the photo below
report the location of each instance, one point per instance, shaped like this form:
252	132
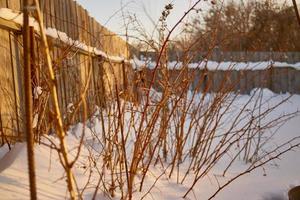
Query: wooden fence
72	66
278	80
242	56
233	56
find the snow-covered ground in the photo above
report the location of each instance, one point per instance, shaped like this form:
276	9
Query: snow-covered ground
271	182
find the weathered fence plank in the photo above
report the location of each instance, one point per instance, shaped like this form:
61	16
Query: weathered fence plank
14	4
7	89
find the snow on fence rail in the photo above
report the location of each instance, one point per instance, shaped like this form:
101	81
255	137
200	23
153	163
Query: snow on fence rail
78	44
277	79
236	56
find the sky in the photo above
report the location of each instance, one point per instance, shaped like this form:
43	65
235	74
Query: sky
147	12
109	14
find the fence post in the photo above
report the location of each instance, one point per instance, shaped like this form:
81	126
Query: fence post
28	102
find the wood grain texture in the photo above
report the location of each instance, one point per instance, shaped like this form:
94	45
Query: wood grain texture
7	87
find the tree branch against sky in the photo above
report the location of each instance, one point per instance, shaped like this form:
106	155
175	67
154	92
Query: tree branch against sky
103	10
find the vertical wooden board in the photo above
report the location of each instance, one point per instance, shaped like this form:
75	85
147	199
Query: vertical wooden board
90	25
56	15
100	80
3	4
114	75
21	4
197	75
276	81
130	82
234	80
79	22
91	28
256	74
76	29
60	77
17	78
14	4
78	66
95	80
291	80
242	81
93	34
119	76
124	49
98	35
52	14
284	79
125	76
61	16
249	77
111	48
74	20
47	13
296	84
107	41
68	84
103	38
82	70
118	45
122	75
42	7
88	28
69	18
73	78
64	17
18	47
261	78
91	93
211	81
7	92
264	78
118	51
222	79
84	26
227	80
64	76
106	80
